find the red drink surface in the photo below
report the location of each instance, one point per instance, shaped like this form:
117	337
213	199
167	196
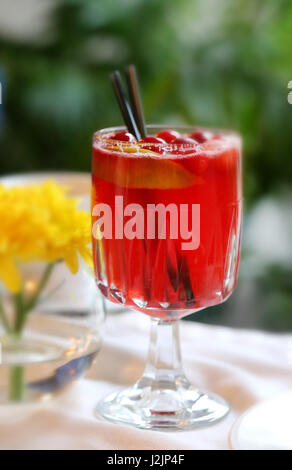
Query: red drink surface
157	276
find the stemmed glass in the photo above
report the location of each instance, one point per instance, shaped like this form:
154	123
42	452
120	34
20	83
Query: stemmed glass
166	238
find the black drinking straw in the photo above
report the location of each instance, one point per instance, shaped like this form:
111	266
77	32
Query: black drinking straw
124	104
135	97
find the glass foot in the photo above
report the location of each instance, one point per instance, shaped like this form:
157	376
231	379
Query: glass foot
163	409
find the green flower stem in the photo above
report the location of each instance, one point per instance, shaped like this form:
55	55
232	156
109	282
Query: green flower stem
44	279
17	383
22	307
4	319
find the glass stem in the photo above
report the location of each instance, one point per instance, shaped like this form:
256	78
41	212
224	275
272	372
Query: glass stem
164	368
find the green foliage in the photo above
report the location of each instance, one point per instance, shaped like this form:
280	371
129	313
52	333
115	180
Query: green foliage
276	299
200	62
218	63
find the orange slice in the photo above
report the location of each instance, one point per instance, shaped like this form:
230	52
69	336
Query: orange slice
142	172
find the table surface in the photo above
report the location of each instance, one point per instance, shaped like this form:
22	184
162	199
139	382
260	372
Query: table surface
244	367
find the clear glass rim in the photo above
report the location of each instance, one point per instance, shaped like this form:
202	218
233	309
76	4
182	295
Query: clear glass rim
101	137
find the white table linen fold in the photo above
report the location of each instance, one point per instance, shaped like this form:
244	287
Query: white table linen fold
244	367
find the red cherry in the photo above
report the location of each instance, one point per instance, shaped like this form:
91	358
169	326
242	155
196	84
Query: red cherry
185	141
183	151
201	136
168	135
151	139
124	137
184	146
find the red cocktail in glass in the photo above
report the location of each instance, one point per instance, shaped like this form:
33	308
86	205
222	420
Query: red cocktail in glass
166	239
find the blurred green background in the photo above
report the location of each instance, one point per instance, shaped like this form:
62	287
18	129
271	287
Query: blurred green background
221	63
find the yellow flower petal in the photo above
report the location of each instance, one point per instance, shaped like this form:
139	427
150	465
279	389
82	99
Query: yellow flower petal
10	275
53	226
71	260
86	254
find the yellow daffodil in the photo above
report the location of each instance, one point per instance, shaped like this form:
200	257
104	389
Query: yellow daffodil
40	223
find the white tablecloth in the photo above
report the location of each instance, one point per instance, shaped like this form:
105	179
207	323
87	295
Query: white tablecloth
244	367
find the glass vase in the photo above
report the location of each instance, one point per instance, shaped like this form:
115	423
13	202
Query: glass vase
50	334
